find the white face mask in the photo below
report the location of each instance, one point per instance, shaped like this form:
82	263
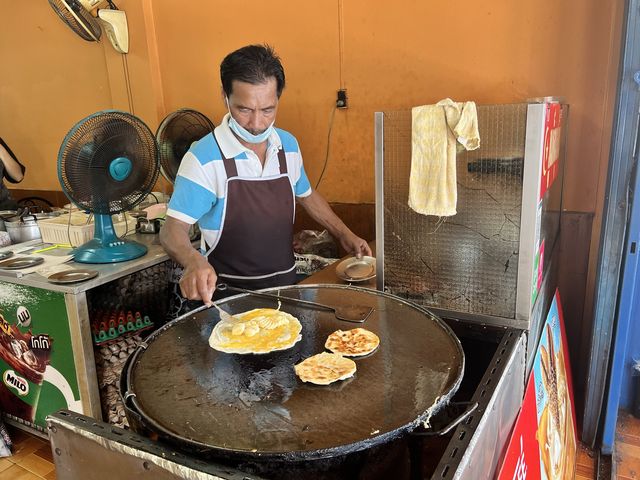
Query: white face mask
245	134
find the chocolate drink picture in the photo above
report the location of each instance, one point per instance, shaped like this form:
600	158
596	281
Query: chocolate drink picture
23	359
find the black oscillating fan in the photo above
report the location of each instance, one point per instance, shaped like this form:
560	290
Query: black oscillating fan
175	135
77	18
107	164
80	17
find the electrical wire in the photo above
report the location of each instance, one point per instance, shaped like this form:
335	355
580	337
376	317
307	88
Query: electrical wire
326	158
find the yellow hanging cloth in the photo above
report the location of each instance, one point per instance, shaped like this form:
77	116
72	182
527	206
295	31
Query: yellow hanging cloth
436	130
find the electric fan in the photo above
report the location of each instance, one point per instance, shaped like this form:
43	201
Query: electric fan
175	135
107	164
79	16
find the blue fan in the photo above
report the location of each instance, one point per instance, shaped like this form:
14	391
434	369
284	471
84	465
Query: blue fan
107	164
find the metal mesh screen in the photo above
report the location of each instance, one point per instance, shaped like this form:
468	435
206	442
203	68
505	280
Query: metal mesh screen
468	262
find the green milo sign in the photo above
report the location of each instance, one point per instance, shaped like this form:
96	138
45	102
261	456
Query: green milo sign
36	357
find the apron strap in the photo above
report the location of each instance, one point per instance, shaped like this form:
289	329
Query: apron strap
230	163
282	158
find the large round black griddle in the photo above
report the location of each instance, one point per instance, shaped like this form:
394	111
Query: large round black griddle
248	406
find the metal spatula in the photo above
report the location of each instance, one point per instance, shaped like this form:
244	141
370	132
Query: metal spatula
351	313
224	316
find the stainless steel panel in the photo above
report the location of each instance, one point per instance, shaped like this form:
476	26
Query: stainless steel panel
379	171
84	448
477	445
82	344
466	263
529	228
479	264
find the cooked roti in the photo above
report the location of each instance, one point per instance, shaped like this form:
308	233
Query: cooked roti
325	368
352	343
261	330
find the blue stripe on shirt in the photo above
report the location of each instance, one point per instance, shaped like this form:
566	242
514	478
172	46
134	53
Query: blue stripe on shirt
191	199
302	186
206	150
212	220
289	142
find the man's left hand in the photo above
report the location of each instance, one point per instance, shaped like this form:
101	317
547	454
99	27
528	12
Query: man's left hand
355	245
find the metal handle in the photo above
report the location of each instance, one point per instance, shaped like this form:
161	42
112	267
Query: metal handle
223	286
470	408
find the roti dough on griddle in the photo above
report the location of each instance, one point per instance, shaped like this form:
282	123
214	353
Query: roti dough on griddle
261	330
325	368
352	343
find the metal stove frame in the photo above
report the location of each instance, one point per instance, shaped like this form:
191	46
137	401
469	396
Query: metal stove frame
86	448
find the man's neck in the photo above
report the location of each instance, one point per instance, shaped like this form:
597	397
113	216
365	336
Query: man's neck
260	149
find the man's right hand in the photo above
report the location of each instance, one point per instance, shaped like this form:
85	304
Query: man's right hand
199	280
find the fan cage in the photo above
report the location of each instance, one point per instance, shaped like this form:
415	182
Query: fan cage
77	18
175	136
87	152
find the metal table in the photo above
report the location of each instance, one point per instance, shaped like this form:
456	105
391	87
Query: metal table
74	297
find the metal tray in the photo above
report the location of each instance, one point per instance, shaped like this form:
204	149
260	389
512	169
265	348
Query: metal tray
357	269
19	263
72	276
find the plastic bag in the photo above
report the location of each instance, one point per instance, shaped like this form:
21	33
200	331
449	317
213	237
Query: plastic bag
315	242
314	250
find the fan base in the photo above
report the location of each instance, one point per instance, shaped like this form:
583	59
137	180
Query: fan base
96	251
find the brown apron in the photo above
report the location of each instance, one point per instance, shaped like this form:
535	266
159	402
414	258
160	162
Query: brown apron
255	245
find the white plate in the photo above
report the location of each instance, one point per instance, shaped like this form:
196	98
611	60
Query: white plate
357	269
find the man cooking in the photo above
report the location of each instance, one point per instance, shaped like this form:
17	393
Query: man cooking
240	184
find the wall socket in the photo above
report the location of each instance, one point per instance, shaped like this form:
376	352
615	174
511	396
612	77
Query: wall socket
341	101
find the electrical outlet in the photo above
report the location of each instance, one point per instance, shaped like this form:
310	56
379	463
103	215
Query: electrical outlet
341	101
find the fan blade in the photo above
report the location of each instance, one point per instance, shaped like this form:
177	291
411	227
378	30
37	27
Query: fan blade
86	167
77	18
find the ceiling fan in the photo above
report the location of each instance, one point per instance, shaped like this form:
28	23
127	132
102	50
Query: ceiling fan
88	18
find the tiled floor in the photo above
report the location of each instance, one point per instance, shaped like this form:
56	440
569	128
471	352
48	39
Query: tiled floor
32	457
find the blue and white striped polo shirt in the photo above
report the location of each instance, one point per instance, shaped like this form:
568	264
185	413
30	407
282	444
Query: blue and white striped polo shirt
200	186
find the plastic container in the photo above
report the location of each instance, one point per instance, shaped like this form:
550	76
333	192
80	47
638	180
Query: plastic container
80	230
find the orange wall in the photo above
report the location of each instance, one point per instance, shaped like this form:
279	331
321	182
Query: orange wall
389	58
48	80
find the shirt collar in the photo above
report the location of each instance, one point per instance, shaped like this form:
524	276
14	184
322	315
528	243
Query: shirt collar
231	146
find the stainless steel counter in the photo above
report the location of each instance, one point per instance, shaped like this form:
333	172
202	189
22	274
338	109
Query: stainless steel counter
106	272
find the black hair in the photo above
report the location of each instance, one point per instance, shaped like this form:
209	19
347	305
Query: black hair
253	64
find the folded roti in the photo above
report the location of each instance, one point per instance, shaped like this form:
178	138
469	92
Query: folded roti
261	330
325	368
352	343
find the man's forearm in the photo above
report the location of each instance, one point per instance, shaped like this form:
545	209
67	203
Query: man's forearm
318	208
175	241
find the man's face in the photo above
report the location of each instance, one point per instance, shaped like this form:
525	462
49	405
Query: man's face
254	106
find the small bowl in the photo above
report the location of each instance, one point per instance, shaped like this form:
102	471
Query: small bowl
357	269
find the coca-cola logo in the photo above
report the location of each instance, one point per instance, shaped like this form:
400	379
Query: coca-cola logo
15	381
